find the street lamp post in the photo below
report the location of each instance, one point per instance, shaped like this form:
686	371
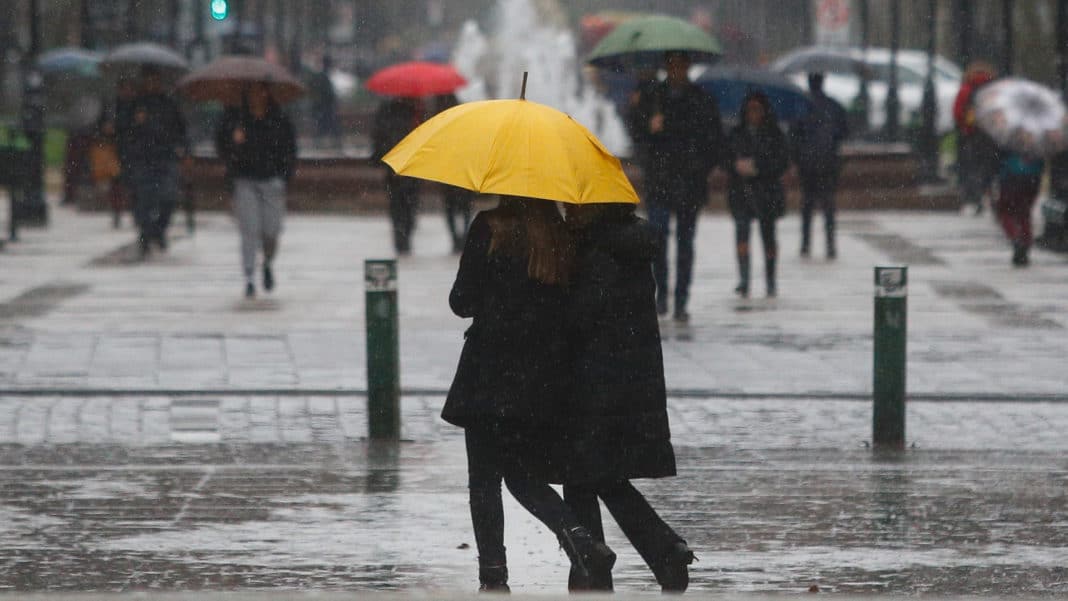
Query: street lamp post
893	102
862	103
963	13
1007	14
31	209
928	142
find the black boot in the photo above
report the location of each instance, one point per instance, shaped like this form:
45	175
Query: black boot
672	571
742	289
591	560
493	579
769	276
1019	254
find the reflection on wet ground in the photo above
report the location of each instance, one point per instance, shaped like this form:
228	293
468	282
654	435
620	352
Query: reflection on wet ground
767	509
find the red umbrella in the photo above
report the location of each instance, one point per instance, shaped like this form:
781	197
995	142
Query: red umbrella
416	79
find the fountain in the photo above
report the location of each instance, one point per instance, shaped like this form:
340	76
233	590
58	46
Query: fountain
522	41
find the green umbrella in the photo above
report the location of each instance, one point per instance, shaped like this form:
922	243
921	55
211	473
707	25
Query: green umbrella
642	41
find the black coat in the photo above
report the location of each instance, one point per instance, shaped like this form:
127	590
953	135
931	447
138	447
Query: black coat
690	144
269	149
151	132
617	423
513	366
759	197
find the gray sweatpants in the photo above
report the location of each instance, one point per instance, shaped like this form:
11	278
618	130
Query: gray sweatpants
259	205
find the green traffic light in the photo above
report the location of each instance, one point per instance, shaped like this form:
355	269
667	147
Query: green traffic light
219	9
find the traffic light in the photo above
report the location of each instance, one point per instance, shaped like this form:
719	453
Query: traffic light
220	9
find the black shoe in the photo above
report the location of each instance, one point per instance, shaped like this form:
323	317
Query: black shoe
672	571
661	306
250	290
742	290
161	241
590	559
805	252
268	278
142	247
1019	255
493	579
682	316
832	254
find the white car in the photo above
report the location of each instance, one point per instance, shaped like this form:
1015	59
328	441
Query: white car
842	83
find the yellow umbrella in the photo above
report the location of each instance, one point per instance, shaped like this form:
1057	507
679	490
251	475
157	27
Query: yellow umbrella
516	148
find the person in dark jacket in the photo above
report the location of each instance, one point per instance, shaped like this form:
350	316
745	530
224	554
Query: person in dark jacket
677	136
457	200
617	423
152	139
977	153
510	384
394	120
1019	179
758	157
258	144
816	139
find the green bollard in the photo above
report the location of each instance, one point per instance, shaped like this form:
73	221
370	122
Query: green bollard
888	416
383	362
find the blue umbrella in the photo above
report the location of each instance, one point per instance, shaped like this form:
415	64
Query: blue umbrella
730	86
72	61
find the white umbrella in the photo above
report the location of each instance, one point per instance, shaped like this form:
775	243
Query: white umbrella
1023	116
145	53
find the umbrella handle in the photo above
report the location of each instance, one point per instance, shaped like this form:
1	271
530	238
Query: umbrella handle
523	90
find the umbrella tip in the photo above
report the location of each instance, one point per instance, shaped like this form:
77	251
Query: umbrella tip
523	90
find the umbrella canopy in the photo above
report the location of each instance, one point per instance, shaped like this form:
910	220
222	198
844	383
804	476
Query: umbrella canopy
516	148
227	78
642	41
70	62
730	85
144	54
822	60
1023	116
416	79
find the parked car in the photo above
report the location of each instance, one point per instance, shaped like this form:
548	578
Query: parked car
843	67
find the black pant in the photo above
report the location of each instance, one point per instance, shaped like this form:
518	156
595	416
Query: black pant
685	230
487	464
457	213
403	204
742	228
817	190
651	537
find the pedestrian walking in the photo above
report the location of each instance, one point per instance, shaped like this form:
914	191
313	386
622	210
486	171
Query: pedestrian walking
106	168
258	144
509	388
977	155
677	132
815	142
324	105
395	119
457	200
152	139
1019	179
758	157
616	426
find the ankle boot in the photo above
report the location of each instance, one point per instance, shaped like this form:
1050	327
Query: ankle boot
591	560
672	571
769	276
743	275
493	578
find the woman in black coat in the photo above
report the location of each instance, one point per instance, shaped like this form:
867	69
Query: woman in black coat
617	426
757	158
510	386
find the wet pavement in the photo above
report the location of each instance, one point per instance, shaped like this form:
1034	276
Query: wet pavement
158	432
285	492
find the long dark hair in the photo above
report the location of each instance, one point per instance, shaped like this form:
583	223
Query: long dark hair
533	228
769	114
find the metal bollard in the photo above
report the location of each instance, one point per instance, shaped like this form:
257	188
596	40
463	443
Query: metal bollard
383	350
888	415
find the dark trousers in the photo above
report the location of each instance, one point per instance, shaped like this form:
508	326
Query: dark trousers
403	205
817	190
742	229
651	537
685	230
1014	208
155	193
457	214
485	471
